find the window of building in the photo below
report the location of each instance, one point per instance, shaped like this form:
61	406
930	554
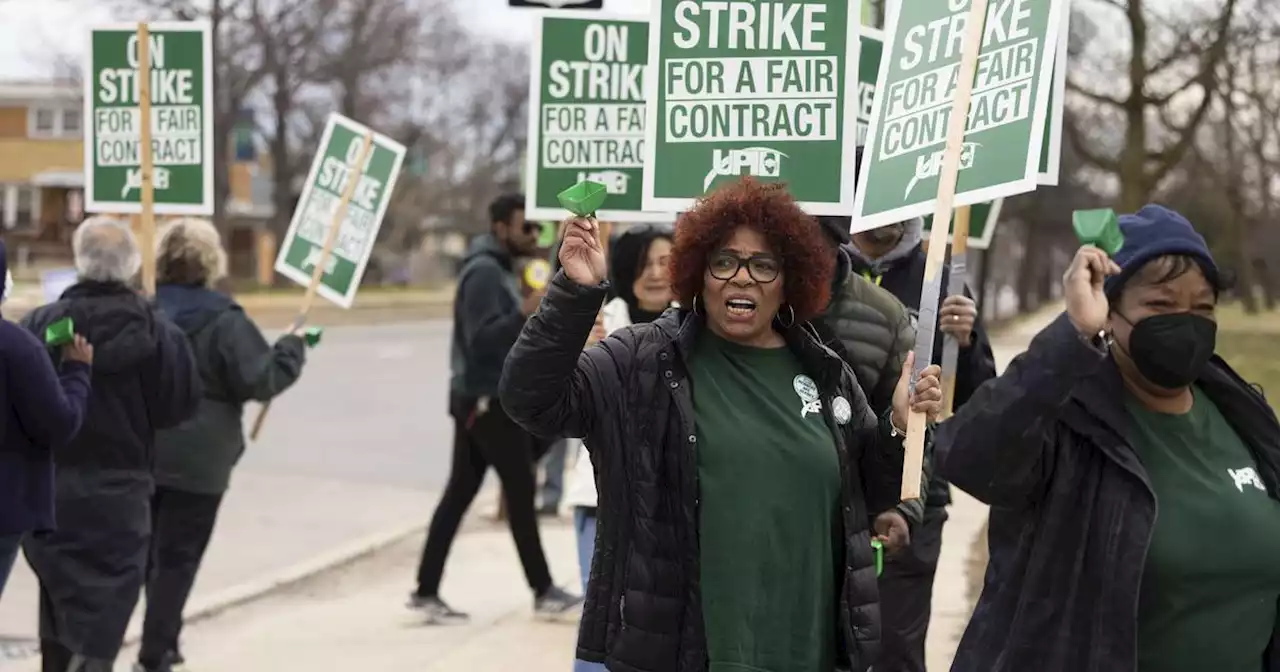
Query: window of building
19	206
56	122
46	121
71	122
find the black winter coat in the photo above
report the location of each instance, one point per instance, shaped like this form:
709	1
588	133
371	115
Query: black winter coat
1072	512
236	365
144	377
630	398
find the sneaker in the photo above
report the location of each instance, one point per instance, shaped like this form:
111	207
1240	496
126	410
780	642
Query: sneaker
555	603
173	662
436	611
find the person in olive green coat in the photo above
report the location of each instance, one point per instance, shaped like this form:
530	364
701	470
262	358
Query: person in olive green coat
193	462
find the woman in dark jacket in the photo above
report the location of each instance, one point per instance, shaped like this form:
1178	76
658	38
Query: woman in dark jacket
739	465
194	460
1120	410
41	408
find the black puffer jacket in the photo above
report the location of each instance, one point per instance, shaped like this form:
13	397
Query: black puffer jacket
630	398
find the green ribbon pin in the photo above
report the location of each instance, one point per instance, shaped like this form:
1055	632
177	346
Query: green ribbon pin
1098	228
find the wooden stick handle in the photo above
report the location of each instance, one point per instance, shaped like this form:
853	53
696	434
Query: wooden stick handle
930	295
354	173
147	220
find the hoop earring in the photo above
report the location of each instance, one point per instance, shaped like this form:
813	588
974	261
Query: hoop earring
695	305
791	322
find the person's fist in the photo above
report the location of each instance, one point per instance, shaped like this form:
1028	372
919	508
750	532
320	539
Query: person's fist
1082	285
581	253
893	532
958	316
926	398
78	350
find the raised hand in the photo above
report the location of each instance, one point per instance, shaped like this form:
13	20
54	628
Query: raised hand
1082	285
78	350
581	254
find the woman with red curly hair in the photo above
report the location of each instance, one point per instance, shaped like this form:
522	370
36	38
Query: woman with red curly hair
737	461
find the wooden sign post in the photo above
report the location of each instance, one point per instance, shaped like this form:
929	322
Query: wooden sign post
955	287
330	240
146	229
930	297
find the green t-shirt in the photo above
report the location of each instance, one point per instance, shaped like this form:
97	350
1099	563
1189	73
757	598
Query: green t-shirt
770	527
1211	585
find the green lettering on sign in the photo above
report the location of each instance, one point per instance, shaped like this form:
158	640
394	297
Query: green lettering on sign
586	119
741	87
303	246
1005	126
181	90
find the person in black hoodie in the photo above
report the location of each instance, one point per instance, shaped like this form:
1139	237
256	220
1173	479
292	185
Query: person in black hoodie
91	567
488	314
41	408
893	258
194	460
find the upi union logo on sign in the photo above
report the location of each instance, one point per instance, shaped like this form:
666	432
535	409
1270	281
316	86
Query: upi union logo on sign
930	165
756	161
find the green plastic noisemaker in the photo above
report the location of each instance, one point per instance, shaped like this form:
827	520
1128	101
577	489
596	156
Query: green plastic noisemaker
1099	228
584	198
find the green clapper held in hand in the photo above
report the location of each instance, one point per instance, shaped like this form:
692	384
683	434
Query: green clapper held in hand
1099	228
59	333
878	547
584	198
312	336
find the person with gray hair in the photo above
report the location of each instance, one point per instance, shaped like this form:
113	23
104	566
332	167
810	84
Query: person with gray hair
92	566
194	460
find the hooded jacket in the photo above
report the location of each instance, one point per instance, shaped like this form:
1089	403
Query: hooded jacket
41	409
144	378
901	272
235	364
487	319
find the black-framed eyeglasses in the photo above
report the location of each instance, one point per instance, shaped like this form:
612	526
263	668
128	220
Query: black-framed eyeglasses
763	268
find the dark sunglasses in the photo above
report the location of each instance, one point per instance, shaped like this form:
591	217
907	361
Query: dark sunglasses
763	268
531	228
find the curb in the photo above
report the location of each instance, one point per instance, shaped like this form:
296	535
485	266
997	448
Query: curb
201	609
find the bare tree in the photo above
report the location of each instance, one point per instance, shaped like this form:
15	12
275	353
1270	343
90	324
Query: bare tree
1168	75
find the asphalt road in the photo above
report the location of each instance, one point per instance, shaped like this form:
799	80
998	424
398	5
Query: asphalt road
358	448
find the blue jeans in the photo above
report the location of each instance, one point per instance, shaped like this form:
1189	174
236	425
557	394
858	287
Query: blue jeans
9	545
585	525
553	482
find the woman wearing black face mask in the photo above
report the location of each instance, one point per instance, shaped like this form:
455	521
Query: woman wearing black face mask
1118	412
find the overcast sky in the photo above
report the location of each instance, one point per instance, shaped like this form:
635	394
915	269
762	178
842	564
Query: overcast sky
34	33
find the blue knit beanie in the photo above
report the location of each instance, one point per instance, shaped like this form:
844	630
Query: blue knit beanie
1156	231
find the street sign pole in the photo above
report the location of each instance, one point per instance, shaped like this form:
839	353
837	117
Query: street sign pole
147	223
955	287
354	171
917	424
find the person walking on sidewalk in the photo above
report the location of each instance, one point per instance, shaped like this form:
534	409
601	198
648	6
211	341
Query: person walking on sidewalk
43	407
194	460
639	275
739	464
1133	478
488	315
92	566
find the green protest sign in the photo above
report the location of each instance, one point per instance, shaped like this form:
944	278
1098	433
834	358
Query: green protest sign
340	149
870	52
181	119
917	82
1051	142
586	120
982	223
739	87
